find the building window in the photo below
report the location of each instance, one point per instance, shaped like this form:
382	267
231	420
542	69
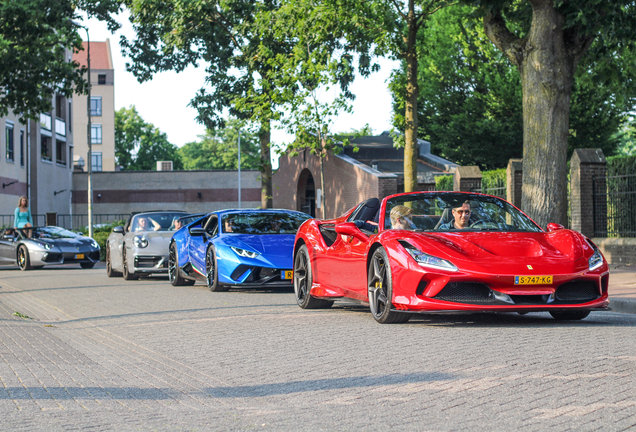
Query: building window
60	152
45	149
21	148
97	161
70	156
70	116
96	134
101	79
9	142
96	105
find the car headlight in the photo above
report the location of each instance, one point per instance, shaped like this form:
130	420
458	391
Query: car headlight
44	245
596	260
426	260
244	253
94	244
140	241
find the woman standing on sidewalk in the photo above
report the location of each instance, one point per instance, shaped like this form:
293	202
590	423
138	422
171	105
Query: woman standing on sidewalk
22	215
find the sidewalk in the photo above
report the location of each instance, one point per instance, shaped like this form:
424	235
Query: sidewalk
622	288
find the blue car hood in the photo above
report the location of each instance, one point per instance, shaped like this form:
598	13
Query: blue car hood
274	245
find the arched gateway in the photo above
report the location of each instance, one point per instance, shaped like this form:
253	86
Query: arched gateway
306	193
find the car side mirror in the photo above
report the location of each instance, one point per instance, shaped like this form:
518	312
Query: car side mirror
197	232
118	229
554	226
350	229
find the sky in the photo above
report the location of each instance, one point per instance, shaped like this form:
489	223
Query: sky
164	100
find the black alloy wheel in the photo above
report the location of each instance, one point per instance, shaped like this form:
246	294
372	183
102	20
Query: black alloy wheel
126	272
212	272
173	268
569	315
381	290
24	261
109	264
303	280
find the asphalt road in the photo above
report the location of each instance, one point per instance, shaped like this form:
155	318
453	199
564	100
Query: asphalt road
81	351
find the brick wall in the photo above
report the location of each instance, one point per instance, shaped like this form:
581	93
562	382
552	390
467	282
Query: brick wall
193	191
584	165
347	182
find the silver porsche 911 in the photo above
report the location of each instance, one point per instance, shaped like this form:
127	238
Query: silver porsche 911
140	247
32	248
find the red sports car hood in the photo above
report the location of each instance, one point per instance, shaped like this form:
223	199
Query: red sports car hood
488	251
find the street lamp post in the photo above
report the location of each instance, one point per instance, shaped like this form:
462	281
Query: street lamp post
89	162
239	168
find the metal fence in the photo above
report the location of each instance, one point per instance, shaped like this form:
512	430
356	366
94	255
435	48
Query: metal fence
496	187
74	222
614	205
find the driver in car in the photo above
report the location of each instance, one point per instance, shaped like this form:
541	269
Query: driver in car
461	218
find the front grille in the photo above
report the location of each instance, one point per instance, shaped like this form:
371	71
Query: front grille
149	261
529	299
466	292
577	291
52	257
259	275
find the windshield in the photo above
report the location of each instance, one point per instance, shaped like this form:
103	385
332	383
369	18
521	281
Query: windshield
52	232
447	211
156	221
263	223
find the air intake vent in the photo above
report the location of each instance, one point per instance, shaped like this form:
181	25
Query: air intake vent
466	292
577	291
164	165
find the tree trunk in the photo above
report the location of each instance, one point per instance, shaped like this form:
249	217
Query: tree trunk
264	136
410	129
546	74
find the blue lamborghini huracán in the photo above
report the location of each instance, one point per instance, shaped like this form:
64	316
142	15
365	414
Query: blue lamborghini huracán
236	248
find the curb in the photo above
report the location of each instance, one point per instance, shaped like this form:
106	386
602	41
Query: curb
623	305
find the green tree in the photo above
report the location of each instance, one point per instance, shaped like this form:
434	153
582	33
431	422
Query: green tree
34	35
471	98
219	149
552	39
139	145
221	34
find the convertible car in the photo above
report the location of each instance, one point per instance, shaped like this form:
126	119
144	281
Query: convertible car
140	247
441	252
236	248
36	247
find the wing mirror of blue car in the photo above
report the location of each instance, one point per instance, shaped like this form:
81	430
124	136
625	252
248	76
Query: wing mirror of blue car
118	229
554	226
350	229
197	232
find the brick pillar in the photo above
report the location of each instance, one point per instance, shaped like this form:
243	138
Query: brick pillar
514	179
467	178
584	165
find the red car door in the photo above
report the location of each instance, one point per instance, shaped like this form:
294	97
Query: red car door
342	266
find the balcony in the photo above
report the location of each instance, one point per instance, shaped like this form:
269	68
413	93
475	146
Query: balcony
45	121
60	126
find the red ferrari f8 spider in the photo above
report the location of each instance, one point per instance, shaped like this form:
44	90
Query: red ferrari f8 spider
432	252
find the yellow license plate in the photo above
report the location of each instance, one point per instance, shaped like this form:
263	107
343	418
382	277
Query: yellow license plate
287	274
533	280
79	256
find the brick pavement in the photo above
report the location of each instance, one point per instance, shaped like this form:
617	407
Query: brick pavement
105	354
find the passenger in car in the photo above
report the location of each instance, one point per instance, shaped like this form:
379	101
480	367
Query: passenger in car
401	217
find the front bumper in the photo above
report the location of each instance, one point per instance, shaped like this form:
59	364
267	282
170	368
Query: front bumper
419	290
49	257
151	264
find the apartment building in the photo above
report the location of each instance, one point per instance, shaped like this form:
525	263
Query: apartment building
36	161
102	108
